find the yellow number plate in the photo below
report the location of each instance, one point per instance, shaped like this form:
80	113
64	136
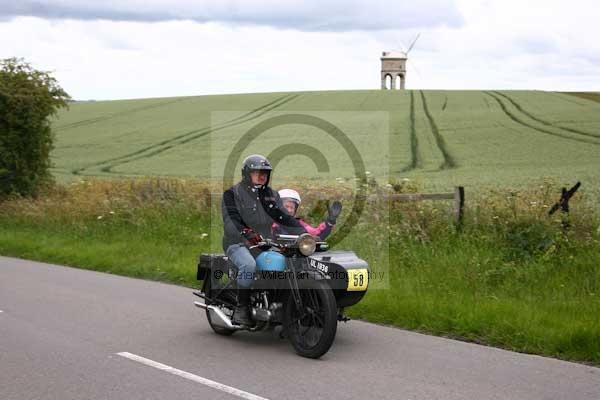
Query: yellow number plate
358	279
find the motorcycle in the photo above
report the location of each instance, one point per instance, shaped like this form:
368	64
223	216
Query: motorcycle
300	285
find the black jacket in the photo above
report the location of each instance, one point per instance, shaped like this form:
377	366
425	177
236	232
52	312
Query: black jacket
244	206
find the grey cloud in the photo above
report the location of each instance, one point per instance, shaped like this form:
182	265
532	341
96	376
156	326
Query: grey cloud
55	9
307	15
537	45
591	58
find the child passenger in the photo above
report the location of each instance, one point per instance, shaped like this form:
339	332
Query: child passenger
291	201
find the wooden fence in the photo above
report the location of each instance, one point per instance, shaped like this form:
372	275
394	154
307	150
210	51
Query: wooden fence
458	196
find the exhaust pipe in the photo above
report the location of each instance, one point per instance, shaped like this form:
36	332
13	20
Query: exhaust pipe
218	317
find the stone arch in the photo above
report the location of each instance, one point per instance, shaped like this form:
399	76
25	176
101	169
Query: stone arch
389	82
399	81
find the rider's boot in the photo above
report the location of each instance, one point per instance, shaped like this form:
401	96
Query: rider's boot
241	314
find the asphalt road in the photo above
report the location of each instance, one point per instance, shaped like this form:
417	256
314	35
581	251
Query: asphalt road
62	329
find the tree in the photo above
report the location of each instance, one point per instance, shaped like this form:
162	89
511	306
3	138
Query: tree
28	98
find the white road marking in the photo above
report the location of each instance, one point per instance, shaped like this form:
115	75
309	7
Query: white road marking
192	377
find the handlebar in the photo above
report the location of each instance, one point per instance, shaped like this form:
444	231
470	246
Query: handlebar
264	243
289	238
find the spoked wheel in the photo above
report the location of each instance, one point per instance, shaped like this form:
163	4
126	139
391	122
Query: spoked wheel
311	329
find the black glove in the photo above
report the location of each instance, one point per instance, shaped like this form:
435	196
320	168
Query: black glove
334	210
252	237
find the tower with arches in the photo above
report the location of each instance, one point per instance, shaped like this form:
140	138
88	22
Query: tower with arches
393	70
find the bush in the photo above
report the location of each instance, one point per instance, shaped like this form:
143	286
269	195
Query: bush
27	99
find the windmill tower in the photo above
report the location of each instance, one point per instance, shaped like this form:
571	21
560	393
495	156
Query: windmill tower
393	65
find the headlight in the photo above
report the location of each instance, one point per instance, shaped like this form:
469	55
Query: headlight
307	244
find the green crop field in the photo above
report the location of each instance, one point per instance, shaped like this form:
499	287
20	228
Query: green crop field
438	138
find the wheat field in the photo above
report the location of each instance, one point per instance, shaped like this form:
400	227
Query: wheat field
438	138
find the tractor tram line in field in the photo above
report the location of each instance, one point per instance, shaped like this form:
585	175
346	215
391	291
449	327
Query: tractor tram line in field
157	148
445	103
164	142
415	159
544	122
91	121
520	121
203	132
449	161
431	146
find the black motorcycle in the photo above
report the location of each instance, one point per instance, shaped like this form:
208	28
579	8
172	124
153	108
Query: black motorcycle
299	285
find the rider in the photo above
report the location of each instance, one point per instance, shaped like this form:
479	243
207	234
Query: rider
249	209
291	201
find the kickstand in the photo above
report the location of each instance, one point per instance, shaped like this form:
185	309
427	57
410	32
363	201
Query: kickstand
343	318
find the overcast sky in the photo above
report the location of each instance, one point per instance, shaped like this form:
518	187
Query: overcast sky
155	48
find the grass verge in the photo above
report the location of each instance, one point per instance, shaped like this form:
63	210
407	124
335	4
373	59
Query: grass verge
510	278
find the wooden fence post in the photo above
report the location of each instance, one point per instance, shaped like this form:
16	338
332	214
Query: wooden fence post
459	204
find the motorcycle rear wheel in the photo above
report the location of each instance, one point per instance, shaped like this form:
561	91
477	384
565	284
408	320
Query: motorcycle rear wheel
311	330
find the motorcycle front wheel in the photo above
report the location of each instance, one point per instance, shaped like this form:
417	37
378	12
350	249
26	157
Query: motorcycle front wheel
311	328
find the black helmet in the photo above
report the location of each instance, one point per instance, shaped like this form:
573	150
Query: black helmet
253	163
